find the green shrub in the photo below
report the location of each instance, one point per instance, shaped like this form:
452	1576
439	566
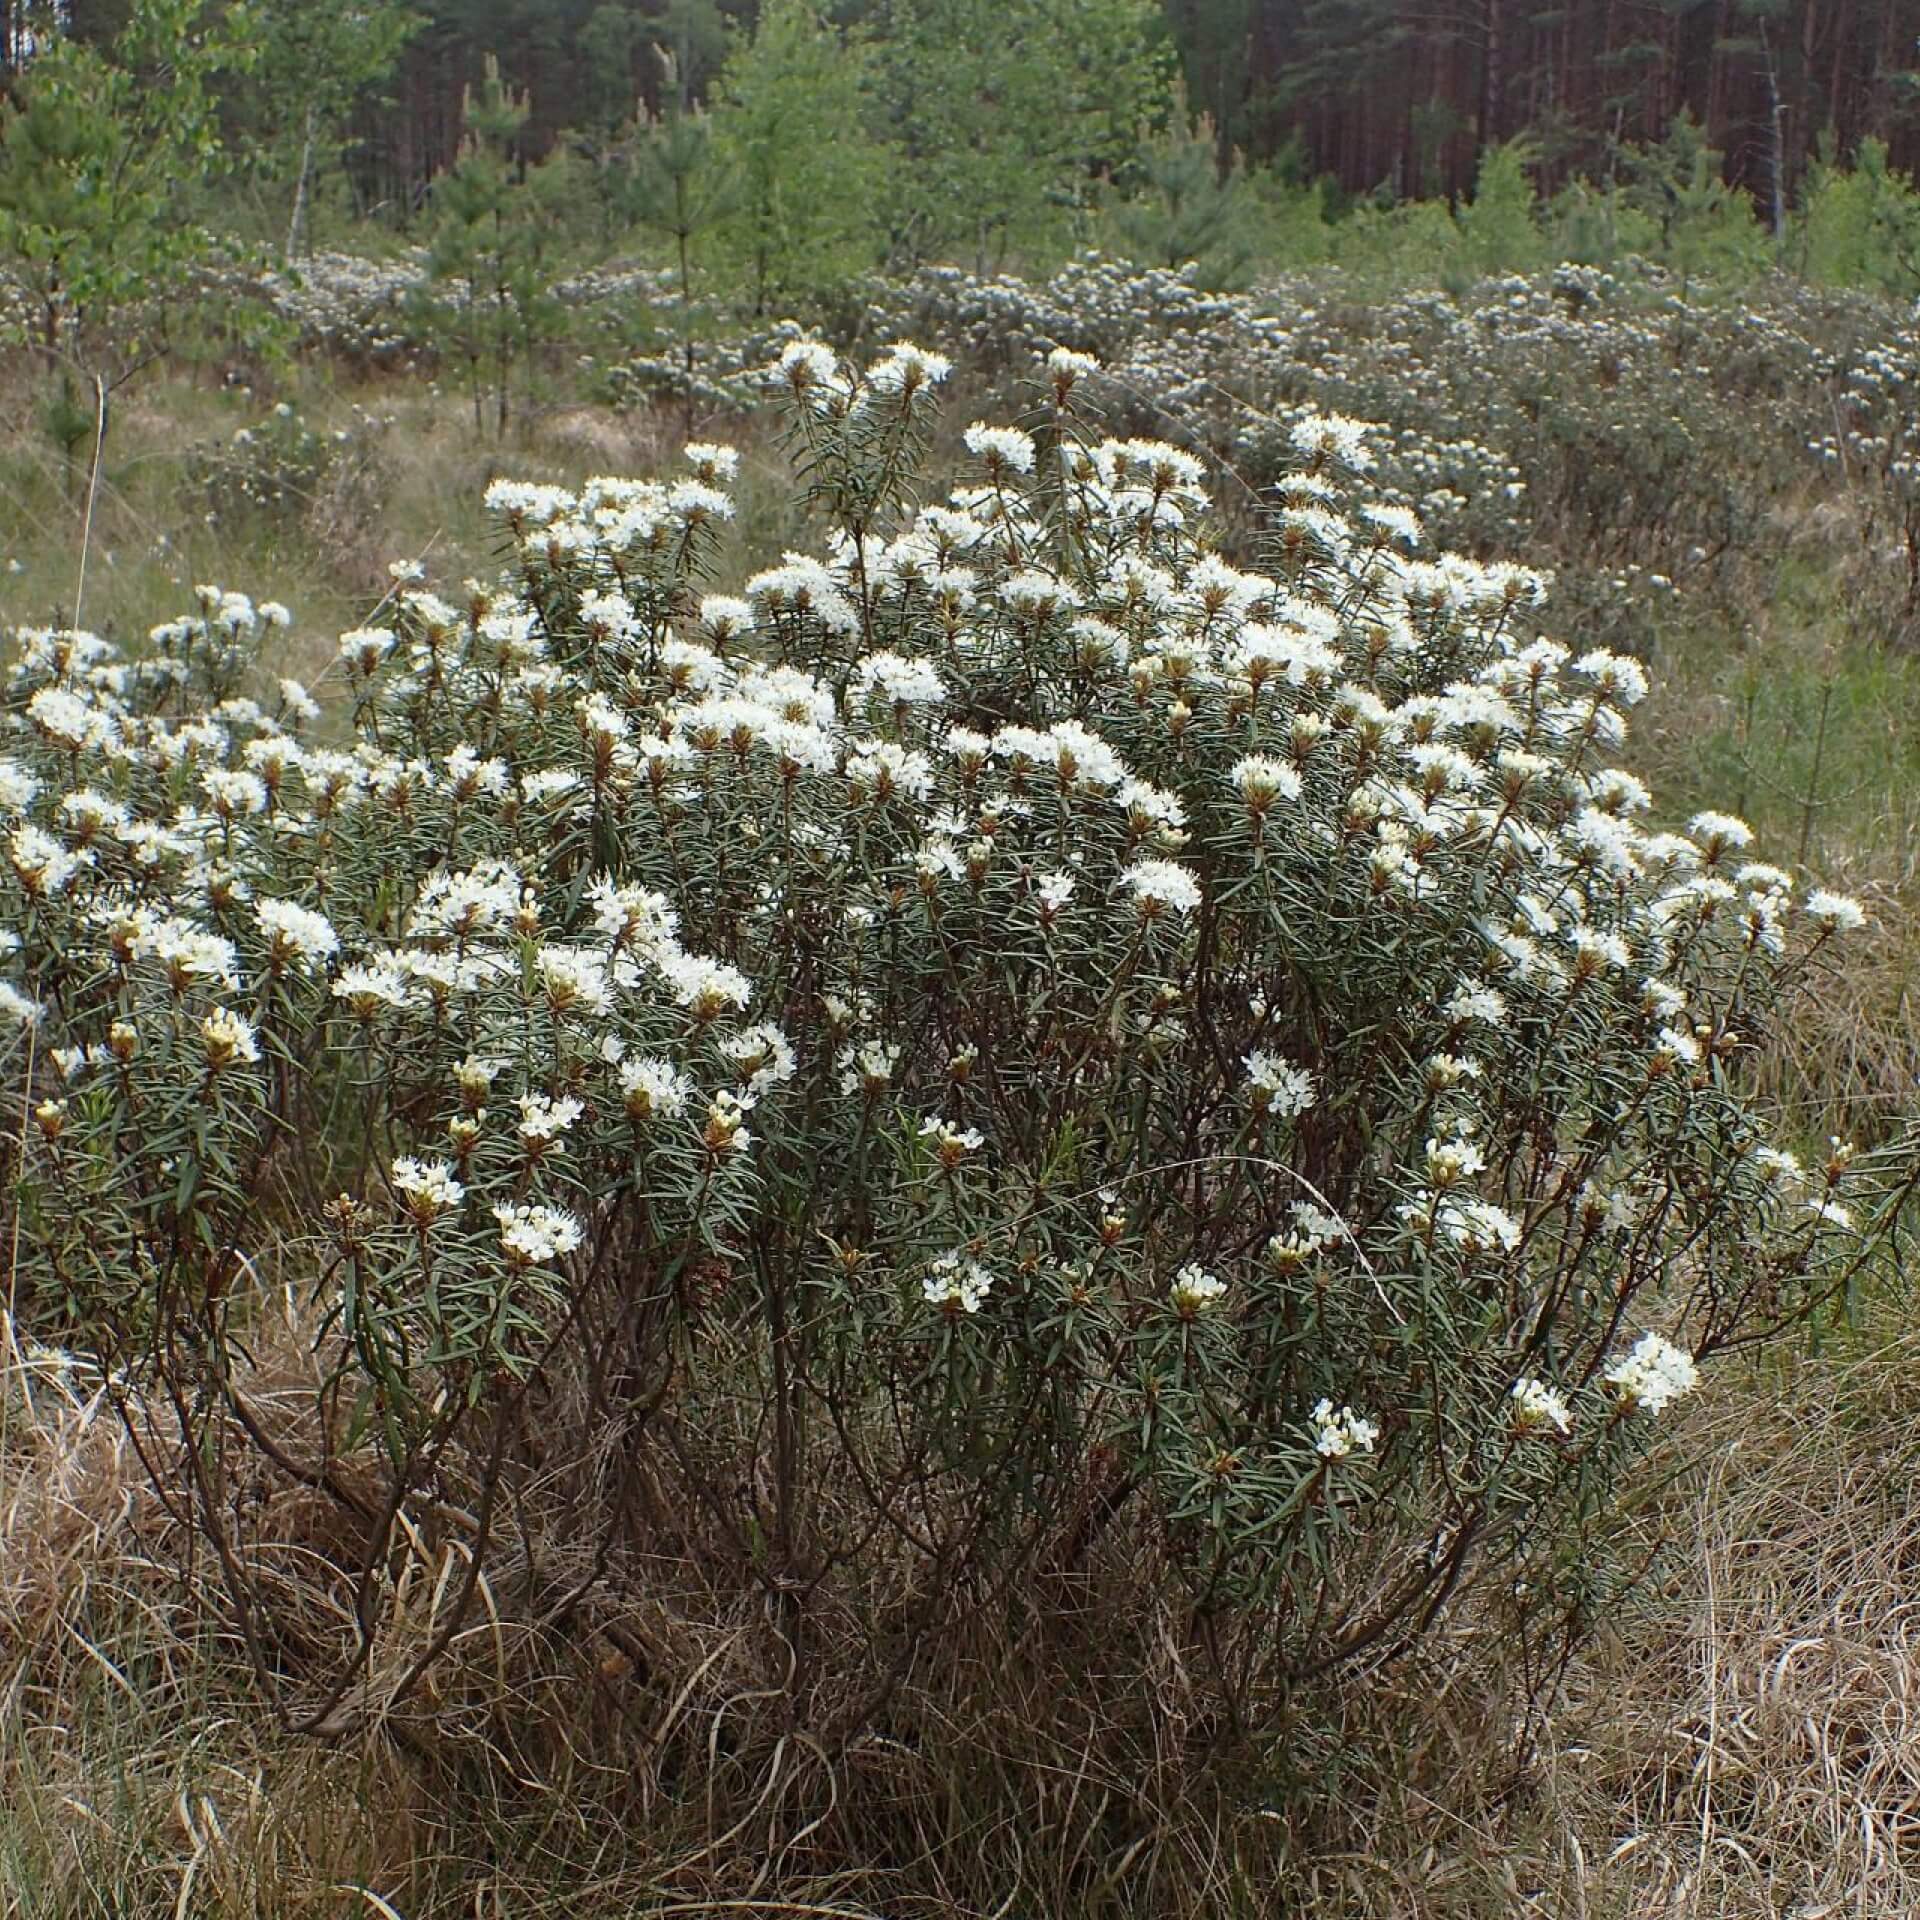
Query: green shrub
1010	1056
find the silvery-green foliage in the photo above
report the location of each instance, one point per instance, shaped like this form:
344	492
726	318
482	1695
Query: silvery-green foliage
1003	1045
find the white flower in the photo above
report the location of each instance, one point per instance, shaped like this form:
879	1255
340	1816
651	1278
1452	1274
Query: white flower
1277	1087
632	917
956	1285
186	954
1150	808
726	1129
1398	523
459	905
902	682
695	500
1453	1159
1051	892
1335	438
90	814
1001	447
16	1007
575	983
762	1056
951	1144
1340	1432
17	787
710	461
366	988
1622	680
1837	912
1768	882
428	1188
803	586
1716	833
1537	1405
1595	951
1674	1046
543	1119
1654	1375
1474	1003
1262	780
1473	1225
228	1037
883	769
1160	885
69	721
724	617
1032	592
1081	759
524	500
652	1089
1194	1290
1163	468
807	363
40	863
907	369
868	1068
533	1235
365	647
938	860
472	778
706	988
1065	366
296	935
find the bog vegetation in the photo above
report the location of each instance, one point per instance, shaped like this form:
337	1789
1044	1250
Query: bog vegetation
918	1000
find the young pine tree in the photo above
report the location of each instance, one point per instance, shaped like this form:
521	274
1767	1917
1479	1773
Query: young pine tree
1188	210
487	299
679	187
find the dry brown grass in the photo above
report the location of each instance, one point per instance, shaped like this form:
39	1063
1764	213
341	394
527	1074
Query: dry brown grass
1749	1745
1746	1745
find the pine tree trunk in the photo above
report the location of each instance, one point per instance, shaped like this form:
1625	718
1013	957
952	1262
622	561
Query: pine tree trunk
1493	54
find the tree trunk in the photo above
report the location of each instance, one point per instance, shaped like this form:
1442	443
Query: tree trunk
1493	55
1776	141
299	219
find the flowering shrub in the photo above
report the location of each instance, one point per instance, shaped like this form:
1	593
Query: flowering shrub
1643	442
719	373
1007	1047
1875	443
1642	439
370	311
283	467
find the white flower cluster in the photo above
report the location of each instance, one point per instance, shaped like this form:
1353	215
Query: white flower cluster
1194	1290
1538	1407
1653	1375
1339	1432
957	1284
